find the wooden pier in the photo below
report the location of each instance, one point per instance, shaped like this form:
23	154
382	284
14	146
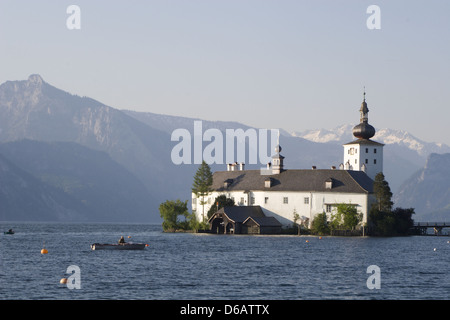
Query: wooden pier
421	228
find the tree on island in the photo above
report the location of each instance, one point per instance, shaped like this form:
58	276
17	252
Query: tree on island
220	202
383	193
346	217
170	211
201	187
383	221
319	225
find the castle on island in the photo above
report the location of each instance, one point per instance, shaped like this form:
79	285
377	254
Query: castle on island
266	202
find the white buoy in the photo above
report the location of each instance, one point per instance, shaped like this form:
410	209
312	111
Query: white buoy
434	249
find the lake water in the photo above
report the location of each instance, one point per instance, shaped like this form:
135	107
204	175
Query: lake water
204	267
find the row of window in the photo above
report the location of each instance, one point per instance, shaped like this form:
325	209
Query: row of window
253	201
355	150
329	207
366	161
285	200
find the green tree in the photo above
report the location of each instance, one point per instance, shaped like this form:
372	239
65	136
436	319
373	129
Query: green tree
195	224
381	222
403	220
395	223
382	193
170	211
220	202
201	187
319	224
346	217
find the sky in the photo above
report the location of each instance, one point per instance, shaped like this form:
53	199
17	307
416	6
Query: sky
295	65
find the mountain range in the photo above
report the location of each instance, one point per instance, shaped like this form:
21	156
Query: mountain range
400	138
428	190
77	159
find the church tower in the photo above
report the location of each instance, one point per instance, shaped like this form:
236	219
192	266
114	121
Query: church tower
364	154
277	161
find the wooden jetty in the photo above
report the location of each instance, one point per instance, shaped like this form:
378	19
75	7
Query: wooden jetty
421	228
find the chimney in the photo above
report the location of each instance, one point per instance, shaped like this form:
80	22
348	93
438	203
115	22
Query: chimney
314	167
268	182
333	168
241	166
269	164
228	166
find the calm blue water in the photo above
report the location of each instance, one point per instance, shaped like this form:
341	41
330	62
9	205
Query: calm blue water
202	266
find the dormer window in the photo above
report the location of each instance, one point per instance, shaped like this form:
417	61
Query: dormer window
227	183
268	182
329	184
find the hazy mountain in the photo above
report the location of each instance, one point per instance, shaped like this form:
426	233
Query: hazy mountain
303	152
25	198
99	188
139	143
33	109
428	190
404	153
400	138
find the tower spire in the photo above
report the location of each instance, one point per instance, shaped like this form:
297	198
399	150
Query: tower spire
277	159
364	130
278	138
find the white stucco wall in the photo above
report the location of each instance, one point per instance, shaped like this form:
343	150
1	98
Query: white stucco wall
356	156
273	203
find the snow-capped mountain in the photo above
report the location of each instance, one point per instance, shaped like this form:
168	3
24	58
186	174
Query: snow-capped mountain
343	134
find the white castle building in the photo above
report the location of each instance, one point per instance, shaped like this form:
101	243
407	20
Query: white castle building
306	192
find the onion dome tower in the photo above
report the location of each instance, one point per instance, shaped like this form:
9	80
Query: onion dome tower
364	130
364	154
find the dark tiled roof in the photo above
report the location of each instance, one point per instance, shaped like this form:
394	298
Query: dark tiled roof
347	181
365	141
241	213
265	221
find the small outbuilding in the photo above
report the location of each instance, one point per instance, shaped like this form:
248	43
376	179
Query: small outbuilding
243	220
261	225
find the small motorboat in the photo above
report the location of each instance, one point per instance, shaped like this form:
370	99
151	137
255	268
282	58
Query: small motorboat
10	231
121	246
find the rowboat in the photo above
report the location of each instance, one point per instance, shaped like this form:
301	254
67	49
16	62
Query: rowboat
8	232
122	246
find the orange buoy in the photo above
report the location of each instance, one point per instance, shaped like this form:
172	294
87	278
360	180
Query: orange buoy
307	241
44	251
320	237
63	281
146	245
129	237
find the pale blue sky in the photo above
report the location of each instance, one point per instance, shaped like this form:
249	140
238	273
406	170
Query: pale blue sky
294	65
